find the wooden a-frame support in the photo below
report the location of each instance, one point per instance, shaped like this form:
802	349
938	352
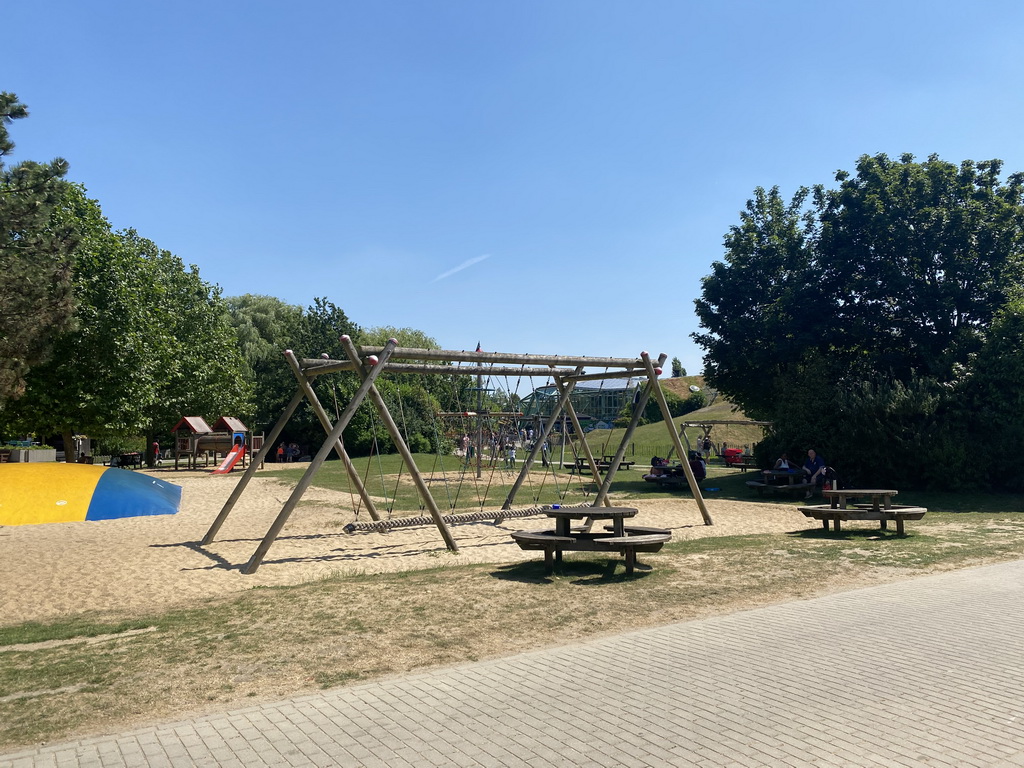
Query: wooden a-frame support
370	362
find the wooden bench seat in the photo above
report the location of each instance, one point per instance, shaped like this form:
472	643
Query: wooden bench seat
639	530
545	540
761	487
898	514
651	540
630	545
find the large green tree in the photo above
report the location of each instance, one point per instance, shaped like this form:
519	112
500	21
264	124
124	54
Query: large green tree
152	341
761	307
898	270
867	304
36	300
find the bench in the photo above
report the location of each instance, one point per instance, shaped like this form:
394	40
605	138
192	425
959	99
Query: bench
761	487
553	545
742	466
628	546
640	530
606	463
130	460
548	542
900	515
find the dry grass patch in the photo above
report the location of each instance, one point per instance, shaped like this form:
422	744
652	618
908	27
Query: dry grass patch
278	641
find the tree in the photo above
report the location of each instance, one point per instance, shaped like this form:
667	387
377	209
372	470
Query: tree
918	259
100	379
852	317
379	335
897	271
266	326
677	368
760	308
990	401
152	341
199	365
36	299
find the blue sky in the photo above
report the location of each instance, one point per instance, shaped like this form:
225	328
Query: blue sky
543	177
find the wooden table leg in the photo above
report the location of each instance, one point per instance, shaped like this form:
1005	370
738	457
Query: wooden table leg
630	560
899	526
549	560
824	522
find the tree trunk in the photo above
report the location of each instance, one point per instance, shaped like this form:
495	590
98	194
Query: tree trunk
70	454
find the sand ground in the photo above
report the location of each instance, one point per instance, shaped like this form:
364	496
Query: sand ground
147	564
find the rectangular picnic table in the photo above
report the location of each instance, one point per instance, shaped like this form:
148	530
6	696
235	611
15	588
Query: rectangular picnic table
603	464
795	480
627	541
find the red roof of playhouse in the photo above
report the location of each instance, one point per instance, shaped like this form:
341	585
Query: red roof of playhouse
196	425
230	424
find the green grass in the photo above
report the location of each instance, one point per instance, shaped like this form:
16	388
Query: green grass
277	641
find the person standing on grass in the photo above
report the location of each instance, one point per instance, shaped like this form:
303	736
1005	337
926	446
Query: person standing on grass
280	453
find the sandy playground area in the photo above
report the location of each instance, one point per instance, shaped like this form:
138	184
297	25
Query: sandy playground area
146	564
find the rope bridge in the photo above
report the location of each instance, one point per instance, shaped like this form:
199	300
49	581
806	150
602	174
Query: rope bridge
383	526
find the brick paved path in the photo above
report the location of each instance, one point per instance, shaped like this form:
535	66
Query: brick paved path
928	672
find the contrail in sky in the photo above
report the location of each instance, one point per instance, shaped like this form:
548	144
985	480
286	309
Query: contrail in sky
462	266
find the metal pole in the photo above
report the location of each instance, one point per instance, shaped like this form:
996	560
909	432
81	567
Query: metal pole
479	425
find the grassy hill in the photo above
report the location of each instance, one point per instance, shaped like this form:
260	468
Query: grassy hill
654	440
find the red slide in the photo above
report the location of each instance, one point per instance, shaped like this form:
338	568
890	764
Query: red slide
230	460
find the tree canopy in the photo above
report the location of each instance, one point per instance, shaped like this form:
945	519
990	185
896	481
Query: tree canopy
36	300
873	299
151	341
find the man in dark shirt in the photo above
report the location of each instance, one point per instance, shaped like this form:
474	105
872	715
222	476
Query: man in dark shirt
814	467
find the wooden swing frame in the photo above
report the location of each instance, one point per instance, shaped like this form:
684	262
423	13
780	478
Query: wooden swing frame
370	362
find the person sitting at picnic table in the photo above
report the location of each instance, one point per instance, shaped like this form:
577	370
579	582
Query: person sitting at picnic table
815	469
784	463
698	466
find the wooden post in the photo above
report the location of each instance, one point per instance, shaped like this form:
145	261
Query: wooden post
253	466
667	415
325	422
318	460
634	422
396	437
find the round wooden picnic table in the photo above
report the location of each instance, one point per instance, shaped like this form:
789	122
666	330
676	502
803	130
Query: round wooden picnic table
880	498
617	515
